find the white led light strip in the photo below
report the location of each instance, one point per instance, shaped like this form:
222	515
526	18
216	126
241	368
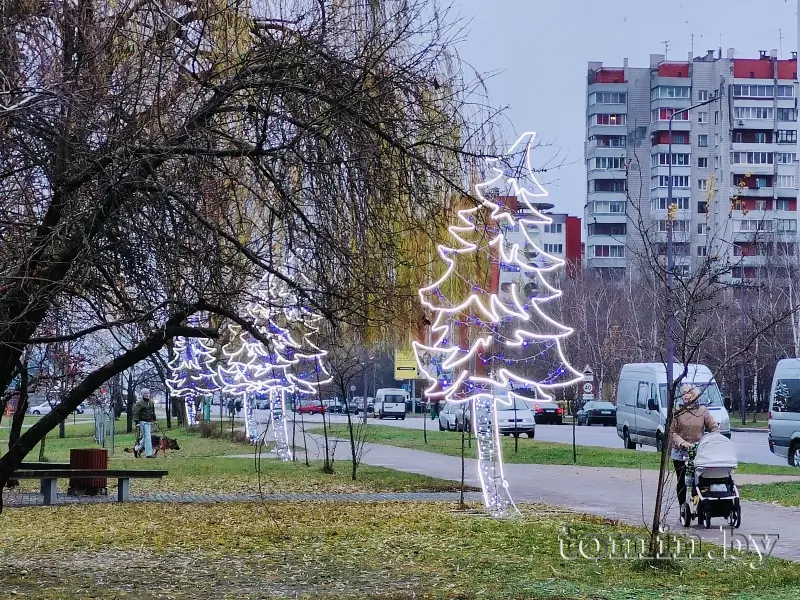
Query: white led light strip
465	385
191	376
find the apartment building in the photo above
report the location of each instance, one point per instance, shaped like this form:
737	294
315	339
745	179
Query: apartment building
734	161
561	239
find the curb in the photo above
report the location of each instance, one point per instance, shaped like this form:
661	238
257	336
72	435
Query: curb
750	429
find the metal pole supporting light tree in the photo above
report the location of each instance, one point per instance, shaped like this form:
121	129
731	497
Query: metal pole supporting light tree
510	323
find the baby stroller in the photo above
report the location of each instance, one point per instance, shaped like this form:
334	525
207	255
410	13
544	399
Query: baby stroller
710	490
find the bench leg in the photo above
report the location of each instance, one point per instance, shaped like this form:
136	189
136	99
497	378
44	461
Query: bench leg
123	489
48	488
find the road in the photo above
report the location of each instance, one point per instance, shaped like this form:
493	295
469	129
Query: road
750	447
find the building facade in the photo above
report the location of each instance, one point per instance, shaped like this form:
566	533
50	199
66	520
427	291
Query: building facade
734	162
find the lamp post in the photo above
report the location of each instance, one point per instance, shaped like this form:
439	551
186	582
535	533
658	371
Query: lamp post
671	210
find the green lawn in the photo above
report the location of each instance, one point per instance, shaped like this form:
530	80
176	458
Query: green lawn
785	493
382	551
205	465
533	451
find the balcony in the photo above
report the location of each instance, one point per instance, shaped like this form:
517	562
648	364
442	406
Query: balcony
754	147
597	262
683	126
764	192
753	169
750	124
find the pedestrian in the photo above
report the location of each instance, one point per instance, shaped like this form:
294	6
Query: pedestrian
144	416
689	422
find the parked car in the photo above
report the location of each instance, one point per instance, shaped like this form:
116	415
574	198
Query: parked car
546	412
39	409
390	402
642	402
447	417
310	407
596	412
514	417
784	411
80	409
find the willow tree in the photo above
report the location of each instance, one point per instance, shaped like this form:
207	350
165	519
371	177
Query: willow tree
148	157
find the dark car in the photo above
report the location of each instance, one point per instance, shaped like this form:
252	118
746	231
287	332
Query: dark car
546	413
595	412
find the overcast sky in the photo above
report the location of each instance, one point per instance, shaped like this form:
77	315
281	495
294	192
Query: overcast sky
540	51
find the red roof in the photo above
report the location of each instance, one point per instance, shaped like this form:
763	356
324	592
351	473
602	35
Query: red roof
610	76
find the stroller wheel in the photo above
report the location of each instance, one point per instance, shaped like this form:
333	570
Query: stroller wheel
705	516
686	515
735	518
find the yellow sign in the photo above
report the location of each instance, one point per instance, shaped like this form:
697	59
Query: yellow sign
405	365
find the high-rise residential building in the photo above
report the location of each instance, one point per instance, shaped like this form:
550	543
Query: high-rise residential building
734	161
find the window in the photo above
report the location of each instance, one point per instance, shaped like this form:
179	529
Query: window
607	185
783	204
702	207
754	91
554	228
785	91
607	228
760	138
678	181
702	185
753	112
716	116
702	162
784	181
662	159
761	205
668	91
680	138
702	117
787	226
786	158
702	229
753	225
702	141
677	226
752	158
607	119
663	203
554	248
787	114
702	95
608	98
608	141
787	136
664	114
785	248
702	251
609	207
737	137
610	251
609	162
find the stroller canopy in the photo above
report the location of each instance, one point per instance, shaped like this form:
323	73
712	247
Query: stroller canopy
715	450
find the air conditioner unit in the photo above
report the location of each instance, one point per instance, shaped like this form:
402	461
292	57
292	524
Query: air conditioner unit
740	122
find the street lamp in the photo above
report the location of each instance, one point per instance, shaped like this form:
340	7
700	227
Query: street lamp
671	210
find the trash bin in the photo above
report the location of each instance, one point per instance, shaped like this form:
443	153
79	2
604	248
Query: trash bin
88	458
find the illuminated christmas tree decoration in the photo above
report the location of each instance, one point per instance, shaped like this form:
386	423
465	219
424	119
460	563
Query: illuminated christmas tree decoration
507	322
191	375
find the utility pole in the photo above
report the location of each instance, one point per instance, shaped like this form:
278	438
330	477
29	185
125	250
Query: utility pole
364	385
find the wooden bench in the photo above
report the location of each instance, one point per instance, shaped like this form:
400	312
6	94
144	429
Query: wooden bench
49	477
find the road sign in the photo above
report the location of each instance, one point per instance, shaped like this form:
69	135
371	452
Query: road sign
405	364
407	387
588	374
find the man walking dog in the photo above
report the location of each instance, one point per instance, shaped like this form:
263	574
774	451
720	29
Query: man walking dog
144	415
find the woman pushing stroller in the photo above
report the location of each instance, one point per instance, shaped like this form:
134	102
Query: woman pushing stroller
689	423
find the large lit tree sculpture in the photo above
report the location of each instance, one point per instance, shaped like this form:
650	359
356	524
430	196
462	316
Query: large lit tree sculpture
513	335
191	373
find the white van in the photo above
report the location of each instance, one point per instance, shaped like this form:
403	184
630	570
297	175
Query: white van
784	411
642	401
391	402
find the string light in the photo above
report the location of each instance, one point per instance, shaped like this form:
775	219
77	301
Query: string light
486	310
191	375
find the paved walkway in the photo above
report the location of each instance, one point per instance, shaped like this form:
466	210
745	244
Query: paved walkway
626	495
34	499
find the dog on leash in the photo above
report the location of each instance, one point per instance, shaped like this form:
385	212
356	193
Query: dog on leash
160	443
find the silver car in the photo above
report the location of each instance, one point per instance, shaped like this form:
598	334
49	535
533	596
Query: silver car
447	417
784	411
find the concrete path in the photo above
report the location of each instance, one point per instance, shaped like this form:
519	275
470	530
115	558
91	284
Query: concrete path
626	495
33	499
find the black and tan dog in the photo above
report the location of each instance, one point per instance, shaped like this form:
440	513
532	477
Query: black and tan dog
160	443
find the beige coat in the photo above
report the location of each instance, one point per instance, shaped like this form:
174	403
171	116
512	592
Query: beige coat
689	425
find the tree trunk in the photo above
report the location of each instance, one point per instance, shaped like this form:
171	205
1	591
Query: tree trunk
42	457
130	400
655	532
22	407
